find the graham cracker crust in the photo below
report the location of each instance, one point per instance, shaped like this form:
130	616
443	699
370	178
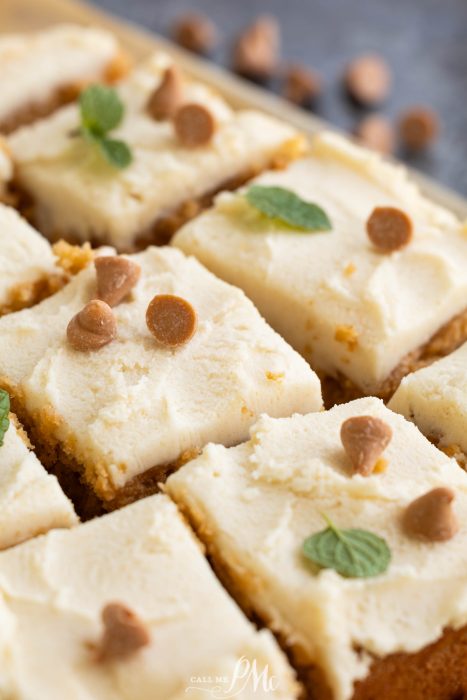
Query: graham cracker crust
164	227
63	95
70	260
436	672
28	294
449	337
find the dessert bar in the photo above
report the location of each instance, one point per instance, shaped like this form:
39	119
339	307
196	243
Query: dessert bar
347	261
345	531
43	70
112	609
137	363
179	148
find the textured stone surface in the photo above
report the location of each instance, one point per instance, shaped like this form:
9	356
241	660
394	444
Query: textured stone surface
424	41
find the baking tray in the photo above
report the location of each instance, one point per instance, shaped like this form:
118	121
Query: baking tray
29	15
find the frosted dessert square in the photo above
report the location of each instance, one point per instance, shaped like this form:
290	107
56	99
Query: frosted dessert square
29	269
435	399
352	265
131	609
46	69
123	395
182	143
31	500
345	531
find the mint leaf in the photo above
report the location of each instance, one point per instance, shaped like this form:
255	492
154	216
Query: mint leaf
116	152
352	553
287	207
4	411
101	109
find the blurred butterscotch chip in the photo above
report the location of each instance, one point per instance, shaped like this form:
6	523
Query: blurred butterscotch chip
376	131
368	79
196	33
389	229
124	633
256	50
302	85
116	277
194	125
171	319
418	128
431	517
167	97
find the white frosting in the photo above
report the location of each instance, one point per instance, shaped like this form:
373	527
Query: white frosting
435	399
31	501
256	503
34	66
52	591
134	404
77	192
25	256
308	285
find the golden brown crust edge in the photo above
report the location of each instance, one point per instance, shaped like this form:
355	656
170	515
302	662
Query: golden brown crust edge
28	294
88	486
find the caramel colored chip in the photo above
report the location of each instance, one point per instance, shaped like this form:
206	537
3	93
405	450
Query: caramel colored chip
196	33
256	51
302	85
418	128
364	439
194	125
376	132
168	96
93	327
389	229
431	516
368	79
124	633
171	319
116	277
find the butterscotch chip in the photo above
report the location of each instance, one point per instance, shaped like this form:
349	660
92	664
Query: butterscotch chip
124	633
431	516
389	229
196	33
93	327
256	51
168	96
302	85
364	439
171	319
116	277
418	128
376	132
368	79
194	125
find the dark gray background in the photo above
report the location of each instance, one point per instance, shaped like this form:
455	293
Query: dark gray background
425	41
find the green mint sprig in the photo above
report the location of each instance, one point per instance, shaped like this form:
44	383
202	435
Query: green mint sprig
4	411
287	207
101	111
352	553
